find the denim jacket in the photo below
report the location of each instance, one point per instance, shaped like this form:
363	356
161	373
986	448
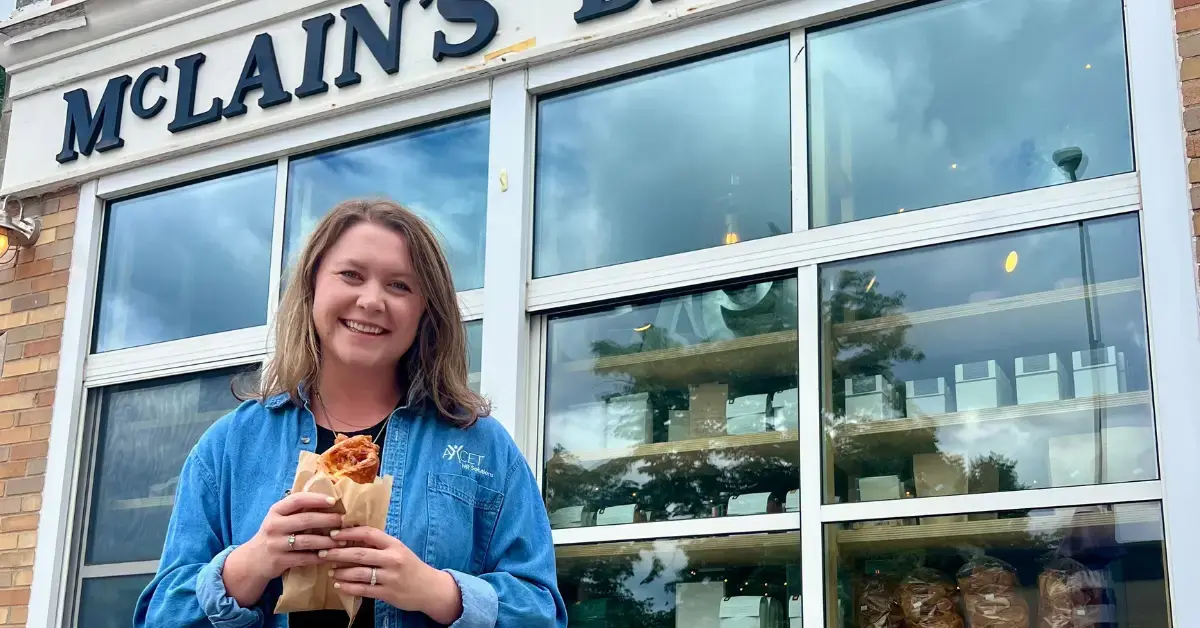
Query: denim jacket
464	501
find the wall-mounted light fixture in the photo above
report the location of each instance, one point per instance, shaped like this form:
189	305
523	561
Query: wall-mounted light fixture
17	232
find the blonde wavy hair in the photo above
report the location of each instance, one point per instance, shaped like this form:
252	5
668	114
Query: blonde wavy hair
433	370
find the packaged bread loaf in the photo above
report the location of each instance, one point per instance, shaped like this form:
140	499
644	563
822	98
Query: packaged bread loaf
990	595
929	600
1070	596
876	604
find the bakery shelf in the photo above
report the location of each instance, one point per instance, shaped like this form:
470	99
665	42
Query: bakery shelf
994	532
1005	413
142	503
1062	295
742	549
763	355
712	443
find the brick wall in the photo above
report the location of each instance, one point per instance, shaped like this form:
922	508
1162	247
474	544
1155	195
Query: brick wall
33	296
1187	25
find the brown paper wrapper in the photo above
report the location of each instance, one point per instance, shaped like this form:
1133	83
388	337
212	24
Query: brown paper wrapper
310	588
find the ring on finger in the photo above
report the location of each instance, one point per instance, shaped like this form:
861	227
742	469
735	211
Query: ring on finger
291	542
373	574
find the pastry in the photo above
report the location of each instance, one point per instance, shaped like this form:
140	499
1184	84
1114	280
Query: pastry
354	458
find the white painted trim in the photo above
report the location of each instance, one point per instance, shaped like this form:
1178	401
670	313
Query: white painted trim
149	170
506	262
34	11
812	444
716	526
799	110
1086	199
277	235
532	430
1170	271
52	555
470	303
143	568
993	502
242	346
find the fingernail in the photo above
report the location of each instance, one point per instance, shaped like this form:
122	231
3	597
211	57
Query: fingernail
341	544
323	553
330	573
334	533
337	585
331	501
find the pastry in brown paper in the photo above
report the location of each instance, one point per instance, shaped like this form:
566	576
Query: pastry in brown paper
877	605
355	458
1070	596
990	595
310	588
928	599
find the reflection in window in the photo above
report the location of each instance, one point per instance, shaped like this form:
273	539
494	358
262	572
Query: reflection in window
677	160
1000	364
746	580
438	172
1088	566
186	262
146	432
474	351
674	409
965	99
110	602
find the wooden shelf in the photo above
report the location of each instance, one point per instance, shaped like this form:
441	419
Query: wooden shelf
141	503
1005	413
742	549
991	532
713	443
763	355
988	307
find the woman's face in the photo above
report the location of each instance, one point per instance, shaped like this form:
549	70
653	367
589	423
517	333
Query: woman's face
367	303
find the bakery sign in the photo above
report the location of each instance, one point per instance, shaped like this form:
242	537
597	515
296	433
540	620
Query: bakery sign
95	125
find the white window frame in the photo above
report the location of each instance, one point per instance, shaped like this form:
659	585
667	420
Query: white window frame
517	306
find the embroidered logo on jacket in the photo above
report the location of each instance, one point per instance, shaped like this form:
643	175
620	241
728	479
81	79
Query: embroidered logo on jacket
469	461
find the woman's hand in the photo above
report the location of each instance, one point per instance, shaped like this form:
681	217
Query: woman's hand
284	540
401	579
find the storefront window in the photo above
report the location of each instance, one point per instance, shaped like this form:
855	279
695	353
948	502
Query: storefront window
680	408
439	172
1087	566
110	602
965	99
745	580
676	160
186	262
1004	363
474	351
146	430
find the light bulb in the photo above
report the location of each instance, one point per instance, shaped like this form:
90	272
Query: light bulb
1010	262
3	241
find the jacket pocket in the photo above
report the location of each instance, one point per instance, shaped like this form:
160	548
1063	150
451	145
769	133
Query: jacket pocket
462	519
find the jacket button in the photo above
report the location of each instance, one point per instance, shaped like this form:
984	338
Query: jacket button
304	440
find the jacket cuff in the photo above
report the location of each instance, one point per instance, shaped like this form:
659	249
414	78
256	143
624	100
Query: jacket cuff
222	610
479	602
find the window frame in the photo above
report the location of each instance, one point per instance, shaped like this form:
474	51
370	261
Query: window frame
517	306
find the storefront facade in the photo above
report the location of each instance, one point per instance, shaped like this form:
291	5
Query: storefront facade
793	306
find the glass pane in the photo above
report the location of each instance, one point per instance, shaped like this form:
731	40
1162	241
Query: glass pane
439	172
731	581
705	145
1080	567
680	408
962	100
474	350
146	432
1000	364
109	602
186	262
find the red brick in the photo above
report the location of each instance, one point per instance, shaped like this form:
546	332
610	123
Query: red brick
1180	4
57	280
31	301
16	289
14	351
7	420
53	329
62	262
14	435
39	433
39	381
13	469
19	523
42	347
36	269
44	399
27	451
24	256
10	505
25	333
10	386
41	416
1191	93
66	231
25	486
16	559
1187	20
62	246
37	466
14	597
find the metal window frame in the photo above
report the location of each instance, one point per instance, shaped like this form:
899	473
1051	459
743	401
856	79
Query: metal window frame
1156	192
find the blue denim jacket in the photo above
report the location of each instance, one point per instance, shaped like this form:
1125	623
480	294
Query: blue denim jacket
464	501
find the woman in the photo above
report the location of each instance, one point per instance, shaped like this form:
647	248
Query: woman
369	341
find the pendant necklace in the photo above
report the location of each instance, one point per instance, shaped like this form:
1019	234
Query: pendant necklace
325	409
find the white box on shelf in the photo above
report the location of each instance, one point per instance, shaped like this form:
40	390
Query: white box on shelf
679	426
751	611
628	421
785	410
746	404
707	403
1098	372
581	428
616	515
1040	378
1073	459
792	502
1129	454
878	488
698	604
795	612
981	385
926	397
746	424
870	398
569	517
749	504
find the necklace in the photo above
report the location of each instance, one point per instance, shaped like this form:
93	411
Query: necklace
330	415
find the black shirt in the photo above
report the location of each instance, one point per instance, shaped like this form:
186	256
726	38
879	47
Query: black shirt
366	613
